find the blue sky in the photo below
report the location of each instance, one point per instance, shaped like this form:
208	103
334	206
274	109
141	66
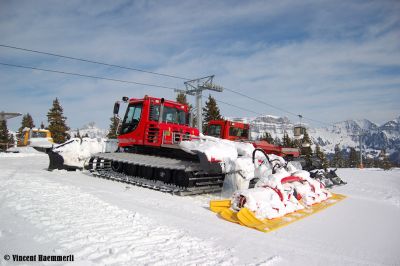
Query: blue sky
327	60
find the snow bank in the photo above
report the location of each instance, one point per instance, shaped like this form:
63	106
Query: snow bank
21	152
235	156
213	148
76	151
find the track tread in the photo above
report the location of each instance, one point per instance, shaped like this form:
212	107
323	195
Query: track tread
100	165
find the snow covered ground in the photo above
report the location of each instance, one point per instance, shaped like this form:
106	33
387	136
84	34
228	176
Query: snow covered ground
110	223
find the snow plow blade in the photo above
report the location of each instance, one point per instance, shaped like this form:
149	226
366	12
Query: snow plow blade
56	162
247	218
42	149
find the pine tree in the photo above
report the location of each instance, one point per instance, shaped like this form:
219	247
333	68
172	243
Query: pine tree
369	162
317	150
42	125
353	160
6	139
337	160
321	155
112	131
384	160
305	147
210	111
27	121
267	137
286	141
78	134
181	98
277	141
57	123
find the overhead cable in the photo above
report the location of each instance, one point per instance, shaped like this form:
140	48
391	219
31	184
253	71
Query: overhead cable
91	61
87	76
154	73
114	80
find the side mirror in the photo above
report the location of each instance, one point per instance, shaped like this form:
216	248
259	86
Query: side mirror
116	108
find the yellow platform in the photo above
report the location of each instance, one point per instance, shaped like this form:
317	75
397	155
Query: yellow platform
247	218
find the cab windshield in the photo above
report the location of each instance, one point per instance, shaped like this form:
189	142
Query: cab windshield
238	132
214	131
38	134
170	115
132	118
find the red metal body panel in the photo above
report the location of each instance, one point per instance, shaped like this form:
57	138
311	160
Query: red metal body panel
231	130
277	150
225	133
150	132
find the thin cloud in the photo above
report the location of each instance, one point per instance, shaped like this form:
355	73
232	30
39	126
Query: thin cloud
329	61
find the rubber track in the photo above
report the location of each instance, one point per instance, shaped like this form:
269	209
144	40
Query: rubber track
100	166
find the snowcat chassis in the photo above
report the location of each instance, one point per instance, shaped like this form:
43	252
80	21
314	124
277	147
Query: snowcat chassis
178	177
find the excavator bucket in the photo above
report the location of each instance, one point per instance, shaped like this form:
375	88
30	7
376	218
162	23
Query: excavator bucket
247	218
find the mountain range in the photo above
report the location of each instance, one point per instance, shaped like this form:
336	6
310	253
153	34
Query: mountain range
346	134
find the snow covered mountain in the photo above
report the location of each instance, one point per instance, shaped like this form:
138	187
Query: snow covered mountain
374	137
345	134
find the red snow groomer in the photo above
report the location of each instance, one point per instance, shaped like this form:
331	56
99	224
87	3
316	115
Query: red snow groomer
149	154
238	131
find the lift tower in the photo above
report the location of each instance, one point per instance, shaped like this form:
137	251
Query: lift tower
195	87
4	116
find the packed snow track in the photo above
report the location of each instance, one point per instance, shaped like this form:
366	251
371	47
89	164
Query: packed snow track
112	223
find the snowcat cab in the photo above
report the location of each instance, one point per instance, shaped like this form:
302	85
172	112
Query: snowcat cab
154	122
239	131
34	137
230	130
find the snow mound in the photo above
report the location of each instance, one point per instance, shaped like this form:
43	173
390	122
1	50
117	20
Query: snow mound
274	196
76	151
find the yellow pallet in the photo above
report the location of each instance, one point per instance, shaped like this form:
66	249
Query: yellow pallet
247	218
